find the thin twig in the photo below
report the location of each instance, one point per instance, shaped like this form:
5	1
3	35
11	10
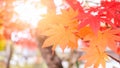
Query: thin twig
114	58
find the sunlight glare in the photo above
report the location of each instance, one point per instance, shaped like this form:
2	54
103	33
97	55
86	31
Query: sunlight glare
30	11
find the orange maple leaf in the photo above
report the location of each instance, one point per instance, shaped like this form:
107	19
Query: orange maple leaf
106	38
46	23
59	35
83	32
60	29
94	56
67	18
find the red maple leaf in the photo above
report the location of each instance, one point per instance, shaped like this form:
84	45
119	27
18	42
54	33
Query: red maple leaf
111	11
76	5
93	21
94	17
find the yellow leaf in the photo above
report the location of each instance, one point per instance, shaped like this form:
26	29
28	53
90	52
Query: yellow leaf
2	43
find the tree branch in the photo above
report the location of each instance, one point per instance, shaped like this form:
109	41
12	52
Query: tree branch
10	53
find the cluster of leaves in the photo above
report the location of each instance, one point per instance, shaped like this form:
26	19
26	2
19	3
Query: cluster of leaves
98	26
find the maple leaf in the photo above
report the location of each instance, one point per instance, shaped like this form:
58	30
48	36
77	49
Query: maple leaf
111	11
46	23
106	38
59	35
60	29
104	15
94	56
92	21
67	19
83	32
75	5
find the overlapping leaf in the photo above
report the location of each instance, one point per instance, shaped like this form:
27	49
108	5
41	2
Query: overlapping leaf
94	56
105	15
83	32
75	5
111	11
107	38
92	21
95	20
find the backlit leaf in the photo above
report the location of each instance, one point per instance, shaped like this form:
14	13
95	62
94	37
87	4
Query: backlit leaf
106	38
94	56
60	29
59	35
